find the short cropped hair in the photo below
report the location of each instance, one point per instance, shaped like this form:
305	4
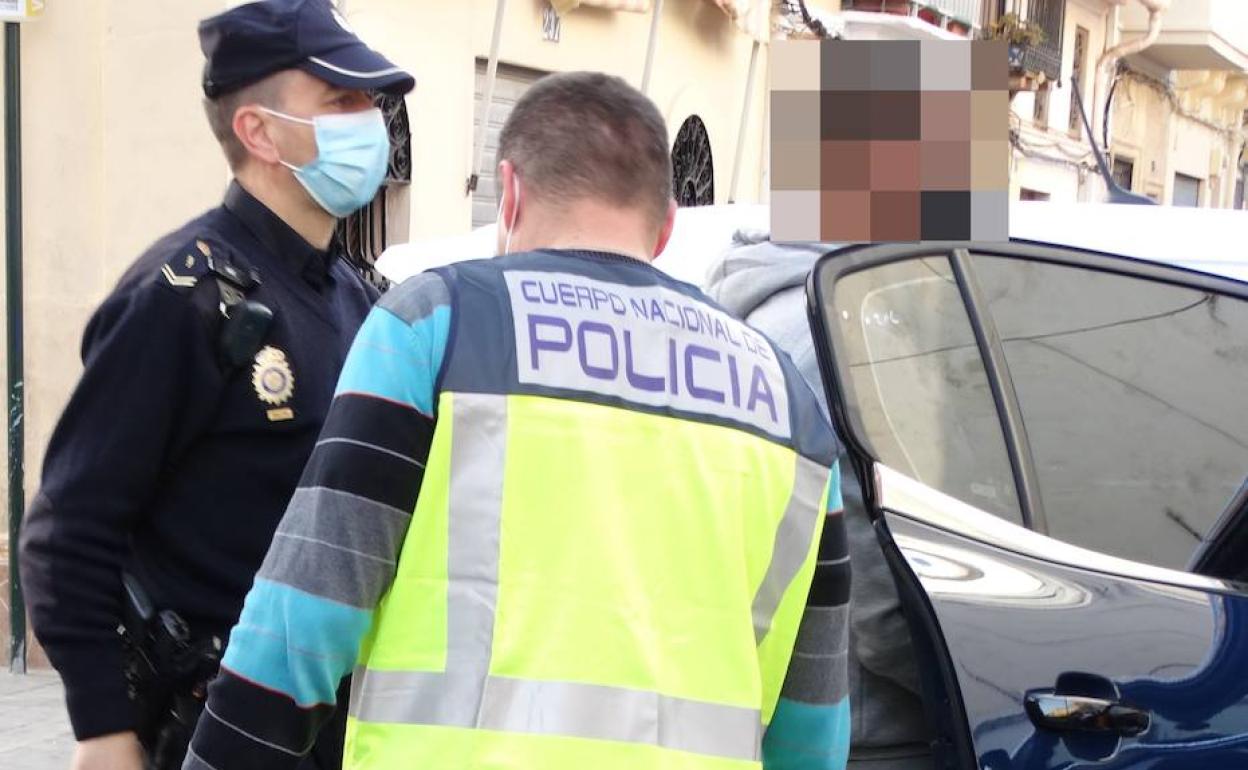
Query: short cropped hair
220	111
579	135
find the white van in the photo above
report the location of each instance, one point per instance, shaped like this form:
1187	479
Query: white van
1210	240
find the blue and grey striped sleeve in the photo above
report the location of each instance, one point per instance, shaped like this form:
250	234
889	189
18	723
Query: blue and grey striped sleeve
334	553
811	727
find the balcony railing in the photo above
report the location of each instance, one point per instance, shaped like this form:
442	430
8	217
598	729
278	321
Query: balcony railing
1046	56
966	11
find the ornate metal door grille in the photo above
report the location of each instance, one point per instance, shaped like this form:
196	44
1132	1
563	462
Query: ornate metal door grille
693	169
362	236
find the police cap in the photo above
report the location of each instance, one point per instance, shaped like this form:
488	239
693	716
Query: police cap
252	41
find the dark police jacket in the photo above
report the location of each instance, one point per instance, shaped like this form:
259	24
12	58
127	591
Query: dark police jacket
170	465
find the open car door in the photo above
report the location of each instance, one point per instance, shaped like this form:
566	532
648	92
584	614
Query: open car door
1053	445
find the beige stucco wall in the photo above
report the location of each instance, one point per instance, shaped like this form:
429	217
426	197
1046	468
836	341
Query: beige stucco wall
1148	128
700	67
1191	149
115	152
1140	132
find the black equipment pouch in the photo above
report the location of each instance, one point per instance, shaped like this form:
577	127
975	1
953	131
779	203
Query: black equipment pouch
167	673
246	322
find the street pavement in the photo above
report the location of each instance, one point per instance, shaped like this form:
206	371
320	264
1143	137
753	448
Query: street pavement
34	730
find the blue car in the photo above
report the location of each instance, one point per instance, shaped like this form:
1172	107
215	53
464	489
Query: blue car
1054	447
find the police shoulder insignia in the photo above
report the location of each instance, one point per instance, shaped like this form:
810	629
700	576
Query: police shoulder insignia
187	265
271	376
177	279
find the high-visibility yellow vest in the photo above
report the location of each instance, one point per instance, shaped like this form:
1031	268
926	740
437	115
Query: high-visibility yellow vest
614	538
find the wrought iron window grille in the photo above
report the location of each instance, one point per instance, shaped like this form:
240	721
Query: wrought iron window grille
1046	56
361	237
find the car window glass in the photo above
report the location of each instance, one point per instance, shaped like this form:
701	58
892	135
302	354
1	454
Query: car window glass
1134	399
918	391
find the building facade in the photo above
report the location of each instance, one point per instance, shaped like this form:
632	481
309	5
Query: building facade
1170	116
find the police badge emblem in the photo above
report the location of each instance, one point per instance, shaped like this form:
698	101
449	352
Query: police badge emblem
272	378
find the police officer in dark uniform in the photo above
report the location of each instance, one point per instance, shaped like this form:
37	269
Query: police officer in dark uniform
208	373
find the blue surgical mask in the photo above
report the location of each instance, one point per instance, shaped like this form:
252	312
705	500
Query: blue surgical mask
352	154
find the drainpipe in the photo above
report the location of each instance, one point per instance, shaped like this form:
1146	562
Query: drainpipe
651	45
13	305
1108	61
1242	170
491	75
1239	169
745	121
1237	93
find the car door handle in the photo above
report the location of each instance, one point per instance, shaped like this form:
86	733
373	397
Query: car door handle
1078	713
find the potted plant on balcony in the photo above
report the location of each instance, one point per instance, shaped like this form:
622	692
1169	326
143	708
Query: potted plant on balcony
1019	34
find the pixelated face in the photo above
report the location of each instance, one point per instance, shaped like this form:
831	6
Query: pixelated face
895	140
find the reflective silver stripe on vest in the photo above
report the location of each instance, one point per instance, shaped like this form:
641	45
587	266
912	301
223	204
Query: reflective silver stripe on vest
475	501
793	538
466	695
567	709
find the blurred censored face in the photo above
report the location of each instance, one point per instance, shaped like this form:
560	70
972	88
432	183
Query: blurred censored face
891	140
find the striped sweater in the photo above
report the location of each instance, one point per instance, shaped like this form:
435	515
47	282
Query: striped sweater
334	555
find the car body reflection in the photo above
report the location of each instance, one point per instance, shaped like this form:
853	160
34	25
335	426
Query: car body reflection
1014	623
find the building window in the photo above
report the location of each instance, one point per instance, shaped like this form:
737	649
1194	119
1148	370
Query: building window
1239	193
1124	172
1078	67
693	170
1151	487
362	236
1026	194
1040	112
1186	191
